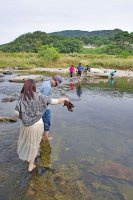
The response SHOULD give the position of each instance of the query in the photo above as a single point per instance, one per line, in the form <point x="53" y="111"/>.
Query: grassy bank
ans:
<point x="26" y="61"/>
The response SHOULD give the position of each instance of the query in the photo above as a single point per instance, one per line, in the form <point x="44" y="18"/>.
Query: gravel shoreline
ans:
<point x="97" y="71"/>
<point x="94" y="71"/>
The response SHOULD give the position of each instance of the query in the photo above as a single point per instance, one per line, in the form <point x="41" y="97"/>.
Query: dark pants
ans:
<point x="71" y="74"/>
<point x="79" y="73"/>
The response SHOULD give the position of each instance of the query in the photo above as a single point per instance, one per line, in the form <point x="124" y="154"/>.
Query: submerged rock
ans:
<point x="8" y="119"/>
<point x="7" y="72"/>
<point x="112" y="169"/>
<point x="21" y="79"/>
<point x="2" y="79"/>
<point x="1" y="75"/>
<point x="8" y="99"/>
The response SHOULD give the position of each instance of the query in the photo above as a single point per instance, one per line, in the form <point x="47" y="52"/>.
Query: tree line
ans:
<point x="120" y="43"/>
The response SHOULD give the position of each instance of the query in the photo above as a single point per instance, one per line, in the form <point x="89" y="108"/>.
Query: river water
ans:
<point x="91" y="154"/>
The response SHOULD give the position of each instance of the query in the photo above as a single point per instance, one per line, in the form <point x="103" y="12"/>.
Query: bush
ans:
<point x="48" y="53"/>
<point x="124" y="54"/>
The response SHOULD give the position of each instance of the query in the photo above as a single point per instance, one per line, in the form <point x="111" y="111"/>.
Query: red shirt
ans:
<point x="72" y="86"/>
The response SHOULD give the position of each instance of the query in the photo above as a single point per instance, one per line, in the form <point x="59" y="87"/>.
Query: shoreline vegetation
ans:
<point x="99" y="63"/>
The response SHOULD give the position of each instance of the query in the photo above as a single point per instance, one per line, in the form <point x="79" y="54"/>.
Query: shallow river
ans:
<point x="91" y="154"/>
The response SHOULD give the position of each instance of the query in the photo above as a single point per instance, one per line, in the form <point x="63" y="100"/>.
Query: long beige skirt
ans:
<point x="29" y="141"/>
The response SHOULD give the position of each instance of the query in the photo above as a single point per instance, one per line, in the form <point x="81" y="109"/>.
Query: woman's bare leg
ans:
<point x="31" y="162"/>
<point x="31" y="166"/>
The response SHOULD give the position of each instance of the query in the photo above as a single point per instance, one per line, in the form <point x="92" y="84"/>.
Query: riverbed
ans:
<point x="90" y="156"/>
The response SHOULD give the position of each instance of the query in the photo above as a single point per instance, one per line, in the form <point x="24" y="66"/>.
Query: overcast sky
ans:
<point x="21" y="16"/>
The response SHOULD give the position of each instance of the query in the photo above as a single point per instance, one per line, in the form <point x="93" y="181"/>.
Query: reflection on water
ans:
<point x="90" y="156"/>
<point x="45" y="151"/>
<point x="118" y="84"/>
<point x="79" y="89"/>
<point x="111" y="81"/>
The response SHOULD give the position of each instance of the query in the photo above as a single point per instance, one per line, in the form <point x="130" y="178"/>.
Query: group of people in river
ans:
<point x="79" y="70"/>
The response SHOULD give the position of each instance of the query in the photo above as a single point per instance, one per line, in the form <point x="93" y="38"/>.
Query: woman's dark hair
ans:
<point x="28" y="89"/>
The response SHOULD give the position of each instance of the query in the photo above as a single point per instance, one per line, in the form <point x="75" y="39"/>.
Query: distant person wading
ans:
<point x="79" y="70"/>
<point x="71" y="70"/>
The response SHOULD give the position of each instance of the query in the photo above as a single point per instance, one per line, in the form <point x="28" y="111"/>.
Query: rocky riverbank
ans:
<point x="94" y="71"/>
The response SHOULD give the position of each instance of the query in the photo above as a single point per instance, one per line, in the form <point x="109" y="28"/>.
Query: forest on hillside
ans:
<point x="115" y="42"/>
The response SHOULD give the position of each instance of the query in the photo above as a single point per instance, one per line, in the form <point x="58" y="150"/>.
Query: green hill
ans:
<point x="31" y="42"/>
<point x="79" y="33"/>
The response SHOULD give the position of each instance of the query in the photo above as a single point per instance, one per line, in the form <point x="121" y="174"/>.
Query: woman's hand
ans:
<point x="58" y="101"/>
<point x="66" y="99"/>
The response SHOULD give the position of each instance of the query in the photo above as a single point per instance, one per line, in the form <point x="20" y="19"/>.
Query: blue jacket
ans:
<point x="80" y="68"/>
<point x="46" y="89"/>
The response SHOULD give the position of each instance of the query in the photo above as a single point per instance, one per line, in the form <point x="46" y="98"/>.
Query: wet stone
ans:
<point x="21" y="79"/>
<point x="8" y="119"/>
<point x="1" y="75"/>
<point x="8" y="99"/>
<point x="7" y="72"/>
<point x="111" y="169"/>
<point x="2" y="79"/>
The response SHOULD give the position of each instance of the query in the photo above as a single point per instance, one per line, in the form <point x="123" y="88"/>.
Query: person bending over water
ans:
<point x="46" y="89"/>
<point x="112" y="74"/>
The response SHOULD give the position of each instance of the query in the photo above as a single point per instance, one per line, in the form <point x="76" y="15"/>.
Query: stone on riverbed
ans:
<point x="21" y="79"/>
<point x="8" y="99"/>
<point x="112" y="169"/>
<point x="8" y="119"/>
<point x="7" y="72"/>
<point x="1" y="75"/>
<point x="2" y="79"/>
